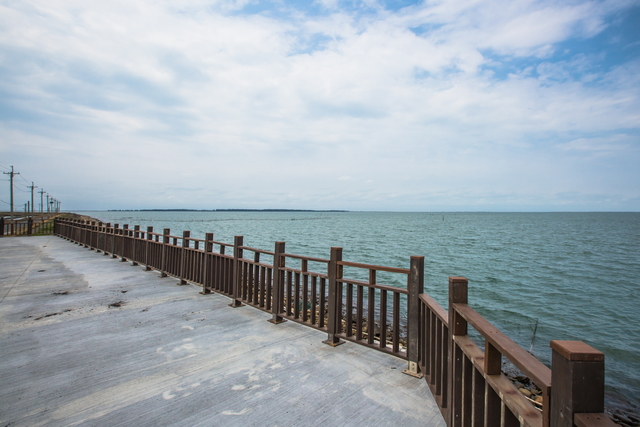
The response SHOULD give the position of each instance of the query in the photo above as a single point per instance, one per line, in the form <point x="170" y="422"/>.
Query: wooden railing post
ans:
<point x="165" y="242"/>
<point x="577" y="384"/>
<point x="136" y="237"/>
<point x="114" y="240"/>
<point x="92" y="235"/>
<point x="335" y="297"/>
<point x="208" y="248"/>
<point x="147" y="249"/>
<point x="278" y="284"/>
<point x="458" y="294"/>
<point x="237" y="271"/>
<point x="89" y="239"/>
<point x="87" y="234"/>
<point x="99" y="237"/>
<point x="415" y="287"/>
<point x="183" y="255"/>
<point x="106" y="233"/>
<point x="30" y="226"/>
<point x="75" y="231"/>
<point x="125" y="234"/>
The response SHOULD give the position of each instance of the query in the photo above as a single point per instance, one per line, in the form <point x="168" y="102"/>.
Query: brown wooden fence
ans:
<point x="465" y="377"/>
<point x="26" y="225"/>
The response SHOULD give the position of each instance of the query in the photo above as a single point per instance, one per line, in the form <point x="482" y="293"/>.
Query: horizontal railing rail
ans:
<point x="466" y="380"/>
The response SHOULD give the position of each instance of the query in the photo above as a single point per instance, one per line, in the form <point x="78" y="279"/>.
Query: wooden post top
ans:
<point x="577" y="351"/>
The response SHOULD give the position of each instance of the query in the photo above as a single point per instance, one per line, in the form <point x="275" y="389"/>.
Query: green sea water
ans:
<point x="575" y="275"/>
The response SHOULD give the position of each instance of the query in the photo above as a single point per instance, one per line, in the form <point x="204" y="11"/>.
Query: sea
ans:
<point x="535" y="276"/>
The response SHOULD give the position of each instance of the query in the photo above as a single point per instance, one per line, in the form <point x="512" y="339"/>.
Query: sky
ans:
<point x="389" y="105"/>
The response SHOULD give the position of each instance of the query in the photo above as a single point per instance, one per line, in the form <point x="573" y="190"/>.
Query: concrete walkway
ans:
<point x="88" y="340"/>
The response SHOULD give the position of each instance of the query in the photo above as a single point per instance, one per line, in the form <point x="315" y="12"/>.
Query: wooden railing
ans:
<point x="26" y="224"/>
<point x="465" y="377"/>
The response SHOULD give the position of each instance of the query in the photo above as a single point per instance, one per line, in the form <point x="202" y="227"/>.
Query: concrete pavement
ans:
<point x="88" y="340"/>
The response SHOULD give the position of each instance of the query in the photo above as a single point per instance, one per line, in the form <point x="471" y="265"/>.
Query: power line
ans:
<point x="52" y="204"/>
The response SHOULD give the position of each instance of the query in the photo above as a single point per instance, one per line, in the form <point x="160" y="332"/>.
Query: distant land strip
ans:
<point x="225" y="210"/>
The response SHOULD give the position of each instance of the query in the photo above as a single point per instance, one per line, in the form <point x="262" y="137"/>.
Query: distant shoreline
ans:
<point x="225" y="210"/>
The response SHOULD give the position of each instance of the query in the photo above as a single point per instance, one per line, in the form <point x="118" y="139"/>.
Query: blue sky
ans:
<point x="360" y="105"/>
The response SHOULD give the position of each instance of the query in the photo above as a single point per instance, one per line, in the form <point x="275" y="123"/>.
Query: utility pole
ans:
<point x="41" y="200"/>
<point x="32" y="187"/>
<point x="47" y="202"/>
<point x="11" y="174"/>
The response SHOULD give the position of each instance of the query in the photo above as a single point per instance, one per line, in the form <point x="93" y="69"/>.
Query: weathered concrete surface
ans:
<point x="170" y="356"/>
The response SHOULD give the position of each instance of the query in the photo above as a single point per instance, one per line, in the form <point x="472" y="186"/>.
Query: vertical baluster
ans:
<point x="359" y="311"/>
<point x="478" y="398"/>
<point x="247" y="287"/>
<point x="467" y="391"/>
<point x="322" y="312"/>
<point x="443" y="366"/>
<point x="493" y="403"/>
<point x="296" y="299"/>
<point x="383" y="318"/>
<point x="263" y="287"/>
<point x="289" y="286"/>
<point x="349" y="309"/>
<point x="508" y="418"/>
<point x="305" y="290"/>
<point x="396" y="322"/>
<point x="269" y="286"/>
<point x="314" y="300"/>
<point x="371" y="308"/>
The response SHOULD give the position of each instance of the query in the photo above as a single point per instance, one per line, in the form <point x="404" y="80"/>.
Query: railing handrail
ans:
<point x="258" y="251"/>
<point x="374" y="267"/>
<point x="374" y="285"/>
<point x="306" y="258"/>
<point x="522" y="359"/>
<point x="436" y="308"/>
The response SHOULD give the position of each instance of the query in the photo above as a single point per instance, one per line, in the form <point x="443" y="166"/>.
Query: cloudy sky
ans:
<point x="328" y="104"/>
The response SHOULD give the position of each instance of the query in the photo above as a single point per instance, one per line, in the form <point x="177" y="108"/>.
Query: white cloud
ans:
<point x="265" y="106"/>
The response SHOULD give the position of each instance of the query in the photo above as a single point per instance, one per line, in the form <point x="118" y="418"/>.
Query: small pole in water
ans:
<point x="443" y="217"/>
